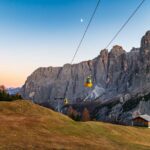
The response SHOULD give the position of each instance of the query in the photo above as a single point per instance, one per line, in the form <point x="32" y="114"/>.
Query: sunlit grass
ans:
<point x="25" y="125"/>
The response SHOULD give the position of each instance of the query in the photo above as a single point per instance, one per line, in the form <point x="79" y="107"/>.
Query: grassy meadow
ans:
<point x="24" y="125"/>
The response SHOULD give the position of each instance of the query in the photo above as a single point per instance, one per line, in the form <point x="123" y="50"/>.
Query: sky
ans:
<point x="42" y="33"/>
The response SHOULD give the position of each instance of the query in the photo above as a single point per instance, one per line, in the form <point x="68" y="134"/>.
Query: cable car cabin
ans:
<point x="141" y="120"/>
<point x="66" y="101"/>
<point x="88" y="82"/>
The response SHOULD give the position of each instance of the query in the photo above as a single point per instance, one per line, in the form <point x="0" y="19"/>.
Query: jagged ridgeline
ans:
<point x="113" y="72"/>
<point x="116" y="73"/>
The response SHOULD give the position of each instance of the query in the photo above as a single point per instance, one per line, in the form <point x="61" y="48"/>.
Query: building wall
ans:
<point x="141" y="122"/>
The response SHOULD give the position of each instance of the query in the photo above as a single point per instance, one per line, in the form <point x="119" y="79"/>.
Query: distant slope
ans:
<point x="25" y="125"/>
<point x="13" y="91"/>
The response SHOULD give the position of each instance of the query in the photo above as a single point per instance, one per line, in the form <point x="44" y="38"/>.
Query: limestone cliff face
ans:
<point x="114" y="73"/>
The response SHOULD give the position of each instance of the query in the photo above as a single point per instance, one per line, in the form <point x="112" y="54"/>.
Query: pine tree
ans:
<point x="4" y="96"/>
<point x="85" y="115"/>
<point x="72" y="113"/>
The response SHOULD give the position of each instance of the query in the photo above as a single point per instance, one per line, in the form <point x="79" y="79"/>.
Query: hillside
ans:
<point x="25" y="125"/>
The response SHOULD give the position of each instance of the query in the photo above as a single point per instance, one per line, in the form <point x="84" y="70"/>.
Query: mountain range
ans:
<point x="13" y="91"/>
<point x="121" y="84"/>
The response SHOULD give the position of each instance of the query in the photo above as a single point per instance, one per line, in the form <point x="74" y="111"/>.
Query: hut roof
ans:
<point x="145" y="117"/>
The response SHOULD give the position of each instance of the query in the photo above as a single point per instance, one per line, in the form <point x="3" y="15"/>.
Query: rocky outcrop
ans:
<point x="115" y="74"/>
<point x="122" y="109"/>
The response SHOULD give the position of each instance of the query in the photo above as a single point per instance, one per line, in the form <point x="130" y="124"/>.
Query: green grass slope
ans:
<point x="25" y="126"/>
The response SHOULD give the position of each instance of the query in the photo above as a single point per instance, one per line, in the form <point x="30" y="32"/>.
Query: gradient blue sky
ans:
<point x="41" y="33"/>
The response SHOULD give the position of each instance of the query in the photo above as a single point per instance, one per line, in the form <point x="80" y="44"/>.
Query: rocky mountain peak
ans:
<point x="117" y="50"/>
<point x="104" y="54"/>
<point x="114" y="72"/>
<point x="118" y="78"/>
<point x="145" y="42"/>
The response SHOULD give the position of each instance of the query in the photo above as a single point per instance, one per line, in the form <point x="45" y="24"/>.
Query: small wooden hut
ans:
<point x="141" y="120"/>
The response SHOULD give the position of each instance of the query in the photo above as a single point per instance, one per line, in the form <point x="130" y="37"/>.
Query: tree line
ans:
<point x="4" y="96"/>
<point x="78" y="116"/>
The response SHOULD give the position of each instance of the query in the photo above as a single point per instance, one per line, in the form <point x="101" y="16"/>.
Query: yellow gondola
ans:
<point x="88" y="82"/>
